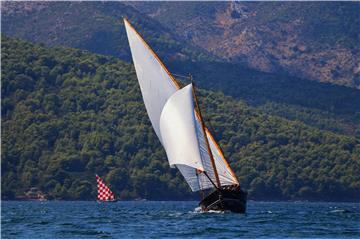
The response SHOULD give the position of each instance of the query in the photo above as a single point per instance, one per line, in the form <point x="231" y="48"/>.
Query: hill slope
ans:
<point x="68" y="114"/>
<point x="97" y="27"/>
<point x="314" y="40"/>
<point x="94" y="26"/>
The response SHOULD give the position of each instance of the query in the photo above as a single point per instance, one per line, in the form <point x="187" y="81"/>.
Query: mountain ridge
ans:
<point x="312" y="40"/>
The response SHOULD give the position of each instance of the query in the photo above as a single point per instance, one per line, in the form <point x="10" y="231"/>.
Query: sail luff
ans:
<point x="176" y="84"/>
<point x="155" y="82"/>
<point x="206" y="140"/>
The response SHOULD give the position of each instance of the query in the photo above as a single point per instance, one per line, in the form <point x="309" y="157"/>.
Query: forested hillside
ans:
<point x="98" y="27"/>
<point x="68" y="114"/>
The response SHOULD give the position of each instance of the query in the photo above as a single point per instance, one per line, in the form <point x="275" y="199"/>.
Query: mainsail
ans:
<point x="104" y="192"/>
<point x="172" y="114"/>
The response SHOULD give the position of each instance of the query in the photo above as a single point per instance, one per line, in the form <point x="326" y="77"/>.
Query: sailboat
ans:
<point x="176" y="118"/>
<point x="104" y="192"/>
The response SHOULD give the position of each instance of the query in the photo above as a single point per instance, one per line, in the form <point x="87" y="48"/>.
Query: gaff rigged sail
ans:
<point x="157" y="88"/>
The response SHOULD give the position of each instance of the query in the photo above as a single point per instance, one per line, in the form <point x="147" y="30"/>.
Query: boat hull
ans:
<point x="101" y="201"/>
<point x="225" y="200"/>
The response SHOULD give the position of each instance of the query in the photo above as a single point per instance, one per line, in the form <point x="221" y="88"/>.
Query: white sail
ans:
<point x="157" y="86"/>
<point x="226" y="176"/>
<point x="155" y="83"/>
<point x="178" y="132"/>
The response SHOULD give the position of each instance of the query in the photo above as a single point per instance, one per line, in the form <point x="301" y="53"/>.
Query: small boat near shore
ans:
<point x="176" y="118"/>
<point x="104" y="192"/>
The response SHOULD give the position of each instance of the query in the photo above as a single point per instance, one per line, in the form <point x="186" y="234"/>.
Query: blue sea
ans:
<point x="150" y="219"/>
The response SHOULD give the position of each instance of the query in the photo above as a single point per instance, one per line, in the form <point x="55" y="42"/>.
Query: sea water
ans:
<point x="153" y="219"/>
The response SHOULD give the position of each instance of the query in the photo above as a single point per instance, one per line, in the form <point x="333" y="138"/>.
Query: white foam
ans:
<point x="199" y="210"/>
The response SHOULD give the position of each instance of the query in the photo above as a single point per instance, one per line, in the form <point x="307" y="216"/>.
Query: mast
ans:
<point x="158" y="86"/>
<point x="206" y="139"/>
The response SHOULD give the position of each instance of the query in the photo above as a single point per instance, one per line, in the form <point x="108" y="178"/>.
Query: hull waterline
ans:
<point x="225" y="200"/>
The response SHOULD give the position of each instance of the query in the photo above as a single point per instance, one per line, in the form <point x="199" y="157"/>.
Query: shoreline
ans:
<point x="145" y="200"/>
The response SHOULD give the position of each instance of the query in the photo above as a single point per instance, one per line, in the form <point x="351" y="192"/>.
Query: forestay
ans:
<point x="157" y="86"/>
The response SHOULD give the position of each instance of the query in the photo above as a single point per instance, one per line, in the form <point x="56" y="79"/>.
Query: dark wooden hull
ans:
<point x="225" y="200"/>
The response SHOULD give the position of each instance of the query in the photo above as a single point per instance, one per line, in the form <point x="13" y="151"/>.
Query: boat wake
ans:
<point x="340" y="211"/>
<point x="199" y="210"/>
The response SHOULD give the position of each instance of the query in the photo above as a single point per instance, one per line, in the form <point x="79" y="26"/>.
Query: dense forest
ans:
<point x="98" y="27"/>
<point x="68" y="114"/>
